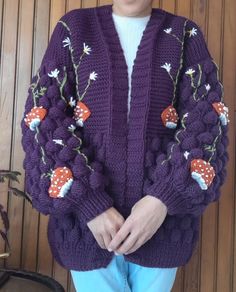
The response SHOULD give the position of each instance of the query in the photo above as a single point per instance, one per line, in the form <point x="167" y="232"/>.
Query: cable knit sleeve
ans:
<point x="59" y="176"/>
<point x="189" y="173"/>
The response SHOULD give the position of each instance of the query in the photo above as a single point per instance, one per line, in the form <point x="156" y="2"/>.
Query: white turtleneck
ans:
<point x="130" y="30"/>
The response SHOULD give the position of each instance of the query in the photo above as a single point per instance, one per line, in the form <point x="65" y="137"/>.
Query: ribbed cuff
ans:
<point x="166" y="192"/>
<point x="95" y="203"/>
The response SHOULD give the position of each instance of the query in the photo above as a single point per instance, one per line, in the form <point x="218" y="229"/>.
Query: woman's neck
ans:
<point x="123" y="12"/>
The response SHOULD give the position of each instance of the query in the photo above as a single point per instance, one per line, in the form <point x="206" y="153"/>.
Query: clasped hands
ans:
<point x="114" y="233"/>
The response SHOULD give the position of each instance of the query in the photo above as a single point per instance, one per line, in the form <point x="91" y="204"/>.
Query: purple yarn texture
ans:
<point x="115" y="163"/>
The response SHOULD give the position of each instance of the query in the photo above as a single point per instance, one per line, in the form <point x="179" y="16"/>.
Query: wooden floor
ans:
<point x="25" y="27"/>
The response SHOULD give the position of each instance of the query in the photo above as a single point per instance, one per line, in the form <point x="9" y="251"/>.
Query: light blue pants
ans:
<point x="124" y="276"/>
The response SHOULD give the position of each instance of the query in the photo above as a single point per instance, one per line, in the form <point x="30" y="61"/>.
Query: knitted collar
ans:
<point x="129" y="135"/>
<point x="118" y="82"/>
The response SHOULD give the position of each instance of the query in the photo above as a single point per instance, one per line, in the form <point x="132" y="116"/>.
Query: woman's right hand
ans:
<point x="105" y="226"/>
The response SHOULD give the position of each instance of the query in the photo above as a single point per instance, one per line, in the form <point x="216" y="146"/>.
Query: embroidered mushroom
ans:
<point x="81" y="113"/>
<point x="222" y="111"/>
<point x="202" y="172"/>
<point x="35" y="116"/>
<point x="61" y="181"/>
<point x="170" y="117"/>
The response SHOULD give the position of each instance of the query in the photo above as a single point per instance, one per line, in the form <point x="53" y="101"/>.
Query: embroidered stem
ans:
<point x="176" y="136"/>
<point x="181" y="62"/>
<point x="72" y="130"/>
<point x="86" y="88"/>
<point x="41" y="148"/>
<point x="62" y="84"/>
<point x="76" y="67"/>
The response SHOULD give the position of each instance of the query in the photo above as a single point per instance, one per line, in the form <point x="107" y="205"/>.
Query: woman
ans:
<point x="125" y="134"/>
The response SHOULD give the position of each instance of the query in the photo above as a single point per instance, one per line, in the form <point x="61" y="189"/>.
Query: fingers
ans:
<point x="128" y="243"/>
<point x="120" y="236"/>
<point x="100" y="240"/>
<point x="106" y="239"/>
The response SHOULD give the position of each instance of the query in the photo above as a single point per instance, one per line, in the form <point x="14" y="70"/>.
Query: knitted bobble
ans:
<point x="151" y="173"/>
<point x="97" y="166"/>
<point x="155" y="144"/>
<point x="52" y="147"/>
<point x="34" y="117"/>
<point x="220" y="149"/>
<point x="44" y="102"/>
<point x="46" y="168"/>
<point x="96" y="180"/>
<point x="189" y="143"/>
<point x="196" y="127"/>
<point x="53" y="91"/>
<point x="61" y="181"/>
<point x="196" y="152"/>
<point x="55" y="113"/>
<point x="210" y="118"/>
<point x="66" y="154"/>
<point x="185" y="93"/>
<point x="149" y="158"/>
<point x="170" y="117"/>
<point x="162" y="169"/>
<point x="213" y="96"/>
<point x="80" y="169"/>
<point x="73" y="142"/>
<point x="35" y="156"/>
<point x="177" y="159"/>
<point x="42" y="138"/>
<point x="44" y="80"/>
<point x="61" y="133"/>
<point x="47" y="125"/>
<point x="206" y="138"/>
<point x="61" y="105"/>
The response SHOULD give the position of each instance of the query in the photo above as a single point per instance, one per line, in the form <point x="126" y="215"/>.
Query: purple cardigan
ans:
<point x="81" y="155"/>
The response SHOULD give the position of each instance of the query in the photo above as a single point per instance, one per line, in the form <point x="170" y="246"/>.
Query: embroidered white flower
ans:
<point x="190" y="71"/>
<point x="185" y="115"/>
<point x="87" y="49"/>
<point x="72" y="101"/>
<point x="58" y="141"/>
<point x="66" y="42"/>
<point x="167" y="66"/>
<point x="93" y="75"/>
<point x="168" y="30"/>
<point x="208" y="86"/>
<point x="186" y="154"/>
<point x="71" y="128"/>
<point x="193" y="32"/>
<point x="54" y="73"/>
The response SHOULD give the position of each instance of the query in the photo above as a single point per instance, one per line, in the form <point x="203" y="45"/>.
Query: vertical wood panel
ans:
<point x="25" y="28"/>
<point x="226" y="203"/>
<point x="24" y="61"/>
<point x="209" y="220"/>
<point x="7" y="91"/>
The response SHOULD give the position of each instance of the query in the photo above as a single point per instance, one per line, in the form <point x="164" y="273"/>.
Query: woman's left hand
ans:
<point x="146" y="217"/>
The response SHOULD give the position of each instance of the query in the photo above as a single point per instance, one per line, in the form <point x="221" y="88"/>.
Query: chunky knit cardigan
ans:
<point x="81" y="155"/>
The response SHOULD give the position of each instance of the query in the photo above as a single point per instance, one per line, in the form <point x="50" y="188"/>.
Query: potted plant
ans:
<point x="13" y="279"/>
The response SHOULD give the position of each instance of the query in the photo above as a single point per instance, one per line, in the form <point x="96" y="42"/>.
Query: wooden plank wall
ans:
<point x="25" y="28"/>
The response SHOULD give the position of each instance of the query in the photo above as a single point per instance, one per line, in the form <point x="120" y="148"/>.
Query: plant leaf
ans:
<point x="19" y="193"/>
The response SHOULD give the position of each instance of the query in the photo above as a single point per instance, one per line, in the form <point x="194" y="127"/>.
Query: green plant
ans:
<point x="11" y="175"/>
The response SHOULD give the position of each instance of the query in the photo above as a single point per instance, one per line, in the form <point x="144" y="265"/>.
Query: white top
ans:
<point x="130" y="30"/>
